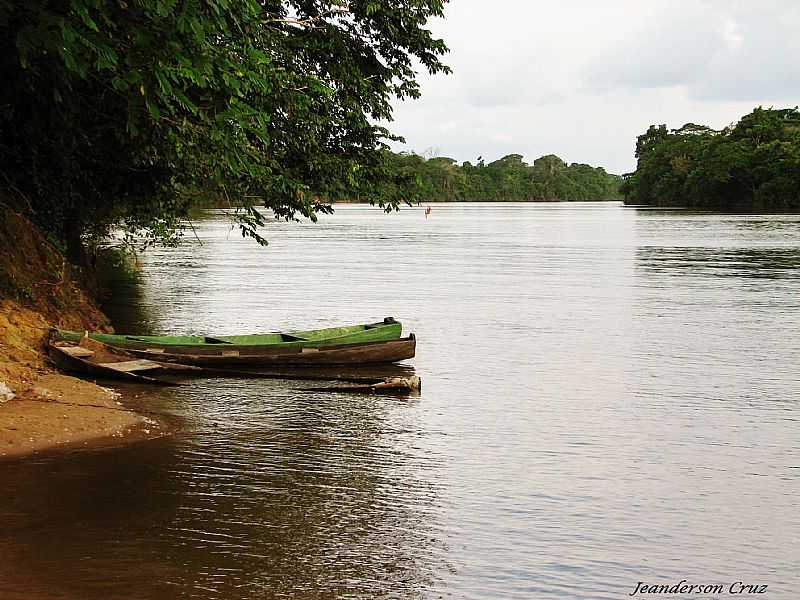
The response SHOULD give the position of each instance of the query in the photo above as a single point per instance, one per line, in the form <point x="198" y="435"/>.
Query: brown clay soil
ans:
<point x="39" y="289"/>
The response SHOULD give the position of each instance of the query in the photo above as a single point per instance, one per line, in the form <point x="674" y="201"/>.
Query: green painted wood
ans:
<point x="386" y="330"/>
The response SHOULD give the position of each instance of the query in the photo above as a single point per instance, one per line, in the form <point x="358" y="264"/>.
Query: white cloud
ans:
<point x="717" y="51"/>
<point x="582" y="79"/>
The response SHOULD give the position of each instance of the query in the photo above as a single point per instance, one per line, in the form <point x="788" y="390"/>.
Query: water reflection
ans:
<point x="767" y="263"/>
<point x="253" y="499"/>
<point x="688" y="244"/>
<point x="124" y="303"/>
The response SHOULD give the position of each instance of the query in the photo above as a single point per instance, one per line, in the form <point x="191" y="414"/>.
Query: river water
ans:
<point x="610" y="395"/>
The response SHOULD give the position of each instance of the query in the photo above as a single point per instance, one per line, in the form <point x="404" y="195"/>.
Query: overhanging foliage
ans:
<point x="120" y="112"/>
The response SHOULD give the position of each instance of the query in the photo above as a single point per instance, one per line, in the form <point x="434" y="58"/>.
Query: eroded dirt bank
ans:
<point x="41" y="410"/>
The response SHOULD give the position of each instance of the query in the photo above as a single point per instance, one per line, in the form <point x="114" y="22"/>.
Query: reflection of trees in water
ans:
<point x="78" y="526"/>
<point x="768" y="223"/>
<point x="125" y="302"/>
<point x="275" y="495"/>
<point x="720" y="262"/>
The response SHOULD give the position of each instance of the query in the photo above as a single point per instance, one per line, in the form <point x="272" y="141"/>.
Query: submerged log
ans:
<point x="390" y="385"/>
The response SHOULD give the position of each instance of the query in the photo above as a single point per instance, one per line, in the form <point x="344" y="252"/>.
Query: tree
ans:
<point x="752" y="165"/>
<point x="441" y="179"/>
<point x="547" y="171"/>
<point x="118" y="113"/>
<point x="649" y="140"/>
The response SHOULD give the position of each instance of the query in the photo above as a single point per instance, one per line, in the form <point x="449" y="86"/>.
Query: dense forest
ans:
<point x="118" y="114"/>
<point x="753" y="165"/>
<point x="509" y="179"/>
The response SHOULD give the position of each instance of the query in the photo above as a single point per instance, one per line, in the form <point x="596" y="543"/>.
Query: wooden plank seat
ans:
<point x="77" y="351"/>
<point x="131" y="366"/>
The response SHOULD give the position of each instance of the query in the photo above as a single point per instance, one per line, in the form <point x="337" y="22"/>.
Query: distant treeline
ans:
<point x="439" y="179"/>
<point x="753" y="165"/>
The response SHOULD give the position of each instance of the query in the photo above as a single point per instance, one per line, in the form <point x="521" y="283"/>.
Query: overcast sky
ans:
<point x="581" y="79"/>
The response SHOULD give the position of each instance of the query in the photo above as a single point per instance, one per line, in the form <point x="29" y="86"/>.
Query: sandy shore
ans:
<point x="38" y="289"/>
<point x="58" y="412"/>
<point x="49" y="411"/>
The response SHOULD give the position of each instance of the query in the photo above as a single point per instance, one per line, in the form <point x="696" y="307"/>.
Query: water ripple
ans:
<point x="610" y="396"/>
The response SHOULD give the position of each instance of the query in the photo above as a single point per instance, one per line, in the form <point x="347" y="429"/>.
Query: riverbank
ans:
<point x="58" y="412"/>
<point x="41" y="410"/>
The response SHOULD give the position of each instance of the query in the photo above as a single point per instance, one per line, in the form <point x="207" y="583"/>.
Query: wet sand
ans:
<point x="58" y="412"/>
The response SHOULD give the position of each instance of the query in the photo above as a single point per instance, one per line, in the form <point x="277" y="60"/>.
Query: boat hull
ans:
<point x="66" y="362"/>
<point x="367" y="353"/>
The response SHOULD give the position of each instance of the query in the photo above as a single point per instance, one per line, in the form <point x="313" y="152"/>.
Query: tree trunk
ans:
<point x="76" y="253"/>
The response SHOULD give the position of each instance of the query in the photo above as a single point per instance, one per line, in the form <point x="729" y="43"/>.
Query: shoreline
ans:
<point x="42" y="411"/>
<point x="58" y="413"/>
<point x="473" y="201"/>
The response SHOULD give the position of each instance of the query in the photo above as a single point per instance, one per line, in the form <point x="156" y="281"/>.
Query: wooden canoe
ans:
<point x="388" y="329"/>
<point x="106" y="364"/>
<point x="96" y="359"/>
<point x="366" y="353"/>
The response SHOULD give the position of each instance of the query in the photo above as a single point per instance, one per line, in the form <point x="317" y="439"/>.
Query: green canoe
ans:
<point x="386" y="330"/>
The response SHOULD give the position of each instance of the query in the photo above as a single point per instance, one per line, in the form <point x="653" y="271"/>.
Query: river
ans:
<point x="610" y="395"/>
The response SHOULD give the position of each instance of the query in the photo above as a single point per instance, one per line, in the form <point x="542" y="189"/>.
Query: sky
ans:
<point x="582" y="79"/>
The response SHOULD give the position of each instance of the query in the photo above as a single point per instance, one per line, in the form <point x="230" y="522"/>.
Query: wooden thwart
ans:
<point x="131" y="366"/>
<point x="78" y="351"/>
